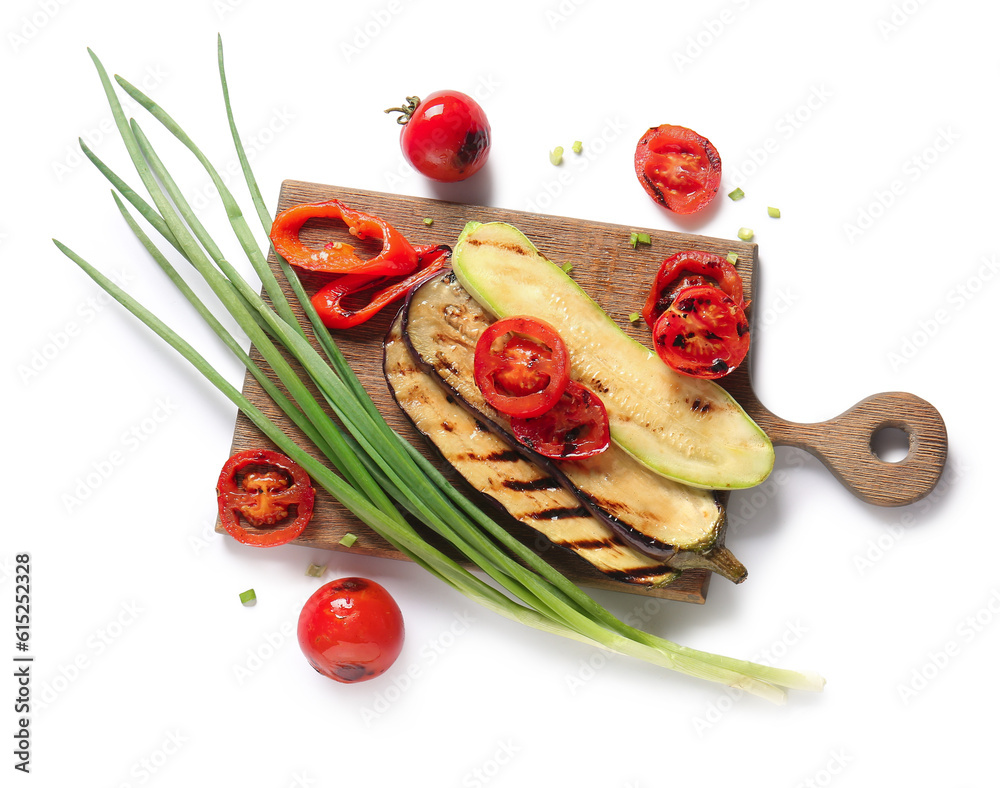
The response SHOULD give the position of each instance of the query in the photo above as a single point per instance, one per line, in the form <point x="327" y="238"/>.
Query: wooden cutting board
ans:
<point x="617" y="276"/>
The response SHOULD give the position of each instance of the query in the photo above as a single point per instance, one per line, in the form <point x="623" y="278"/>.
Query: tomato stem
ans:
<point x="412" y="102"/>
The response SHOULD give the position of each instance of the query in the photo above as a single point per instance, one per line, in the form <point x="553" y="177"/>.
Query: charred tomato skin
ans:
<point x="447" y="137"/>
<point x="691" y="267"/>
<point x="259" y="489"/>
<point x="679" y="168"/>
<point x="703" y="333"/>
<point x="575" y="428"/>
<point x="351" y="630"/>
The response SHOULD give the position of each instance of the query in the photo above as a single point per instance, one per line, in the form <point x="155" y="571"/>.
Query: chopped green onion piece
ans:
<point x="566" y="267"/>
<point x="577" y="147"/>
<point x="555" y="156"/>
<point x="732" y="257"/>
<point x="316" y="570"/>
<point x="634" y="317"/>
<point x="248" y="598"/>
<point x="428" y="221"/>
<point x="348" y="540"/>
<point x="745" y="234"/>
<point x="736" y="194"/>
<point x="774" y="213"/>
<point x="639" y="238"/>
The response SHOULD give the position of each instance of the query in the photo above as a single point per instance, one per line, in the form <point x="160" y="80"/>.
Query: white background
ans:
<point x="872" y="126"/>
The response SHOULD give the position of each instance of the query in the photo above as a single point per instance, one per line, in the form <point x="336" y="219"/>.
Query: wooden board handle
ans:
<point x="844" y="445"/>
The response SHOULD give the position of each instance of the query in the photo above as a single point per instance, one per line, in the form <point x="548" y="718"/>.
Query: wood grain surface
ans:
<point x="616" y="275"/>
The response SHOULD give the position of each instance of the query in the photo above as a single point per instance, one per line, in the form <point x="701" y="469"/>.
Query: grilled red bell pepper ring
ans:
<point x="330" y="301"/>
<point x="259" y="487"/>
<point x="397" y="256"/>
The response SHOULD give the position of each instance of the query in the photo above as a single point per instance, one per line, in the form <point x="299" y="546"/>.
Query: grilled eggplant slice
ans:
<point x="684" y="428"/>
<point x="518" y="486"/>
<point x="680" y="525"/>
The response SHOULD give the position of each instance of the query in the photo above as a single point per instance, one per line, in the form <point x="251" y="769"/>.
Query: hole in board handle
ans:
<point x="890" y="444"/>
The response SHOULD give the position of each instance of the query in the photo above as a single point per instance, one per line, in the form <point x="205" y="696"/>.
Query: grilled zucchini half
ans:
<point x="687" y="429"/>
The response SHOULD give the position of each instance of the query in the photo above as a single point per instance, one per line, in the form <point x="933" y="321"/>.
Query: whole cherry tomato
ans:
<point x="351" y="630"/>
<point x="445" y="136"/>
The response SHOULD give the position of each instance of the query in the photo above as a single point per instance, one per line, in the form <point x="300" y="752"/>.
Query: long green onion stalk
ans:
<point x="368" y="467"/>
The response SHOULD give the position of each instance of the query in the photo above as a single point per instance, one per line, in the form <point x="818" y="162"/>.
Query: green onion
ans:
<point x="566" y="267"/>
<point x="774" y="213"/>
<point x="736" y="194"/>
<point x="428" y="221"/>
<point x="349" y="539"/>
<point x="732" y="257"/>
<point x="745" y="234"/>
<point x="555" y="155"/>
<point x="248" y="598"/>
<point x="373" y="472"/>
<point x="316" y="570"/>
<point x="639" y="238"/>
<point x="578" y="147"/>
<point x="634" y="317"/>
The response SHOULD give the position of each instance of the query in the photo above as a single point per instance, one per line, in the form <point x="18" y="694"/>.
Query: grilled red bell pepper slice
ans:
<point x="257" y="490"/>
<point x="330" y="300"/>
<point x="397" y="256"/>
